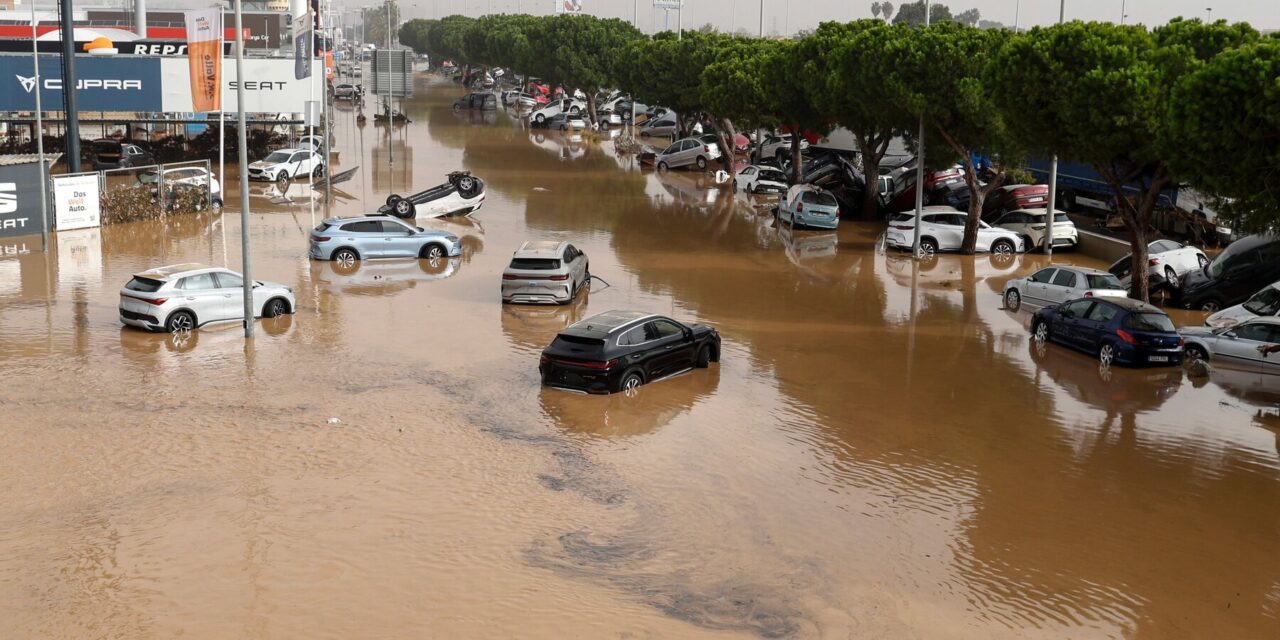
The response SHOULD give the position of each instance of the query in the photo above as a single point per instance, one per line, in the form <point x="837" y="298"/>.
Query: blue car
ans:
<point x="1117" y="330"/>
<point x="346" y="240"/>
<point x="808" y="206"/>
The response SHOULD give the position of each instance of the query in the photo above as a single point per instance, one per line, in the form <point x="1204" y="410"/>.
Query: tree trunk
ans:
<point x="726" y="132"/>
<point x="977" y="198"/>
<point x="872" y="154"/>
<point x="1137" y="219"/>
<point x="591" y="111"/>
<point x="797" y="162"/>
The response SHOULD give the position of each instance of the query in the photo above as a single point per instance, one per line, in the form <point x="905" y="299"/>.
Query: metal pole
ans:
<point x="391" y="116"/>
<point x="1122" y="11"/>
<point x="39" y="136"/>
<point x="1017" y="14"/>
<point x="915" y="239"/>
<point x="311" y="88"/>
<point x="680" y="21"/>
<point x="324" y="71"/>
<point x="1050" y="209"/>
<point x="72" y="131"/>
<point x="243" y="154"/>
<point x="761" y="18"/>
<point x="222" y="119"/>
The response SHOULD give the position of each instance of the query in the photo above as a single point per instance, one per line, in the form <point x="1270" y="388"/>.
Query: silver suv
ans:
<point x="182" y="297"/>
<point x="545" y="272"/>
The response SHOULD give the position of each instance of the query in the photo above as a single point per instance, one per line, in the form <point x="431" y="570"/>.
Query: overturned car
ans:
<point x="461" y="194"/>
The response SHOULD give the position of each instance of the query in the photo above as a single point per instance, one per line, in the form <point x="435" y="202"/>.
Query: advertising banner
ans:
<point x="301" y="54"/>
<point x="204" y="55"/>
<point x="76" y="201"/>
<point x="102" y="84"/>
<point x="270" y="87"/>
<point x="20" y="199"/>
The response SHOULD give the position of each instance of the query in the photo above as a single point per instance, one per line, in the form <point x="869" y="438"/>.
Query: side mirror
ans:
<point x="1229" y="334"/>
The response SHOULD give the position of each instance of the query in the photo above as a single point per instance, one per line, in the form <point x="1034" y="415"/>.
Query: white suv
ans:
<point x="545" y="272"/>
<point x="557" y="107"/>
<point x="1030" y="224"/>
<point x="182" y="297"/>
<point x="943" y="230"/>
<point x="287" y="163"/>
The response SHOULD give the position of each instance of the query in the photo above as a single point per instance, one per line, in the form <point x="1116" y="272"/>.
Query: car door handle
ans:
<point x="191" y="297"/>
<point x="670" y="346"/>
<point x="228" y="295"/>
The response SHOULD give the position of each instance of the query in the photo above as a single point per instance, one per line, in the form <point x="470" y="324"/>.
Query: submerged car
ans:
<point x="567" y="122"/>
<point x="1055" y="285"/>
<point x="806" y="205"/>
<point x="1240" y="345"/>
<point x="1116" y="330"/>
<point x="182" y="297"/>
<point x="112" y="154"/>
<point x="461" y="194"/>
<point x="287" y="164"/>
<point x="1244" y="267"/>
<point x="943" y="230"/>
<point x="545" y="272"/>
<point x="686" y="152"/>
<point x="1030" y="224"/>
<point x="1167" y="261"/>
<point x="1263" y="303"/>
<point x="621" y="350"/>
<point x="762" y="179"/>
<point x="479" y="100"/>
<point x="556" y="107"/>
<point x="178" y="180"/>
<point x="346" y="240"/>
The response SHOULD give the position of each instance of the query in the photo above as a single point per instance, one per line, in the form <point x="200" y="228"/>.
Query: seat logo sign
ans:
<point x="28" y="84"/>
<point x="8" y="197"/>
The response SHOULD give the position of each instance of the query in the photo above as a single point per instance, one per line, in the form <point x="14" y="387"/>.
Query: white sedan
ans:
<point x="1238" y="345"/>
<point x="1165" y="259"/>
<point x="943" y="230"/>
<point x="1055" y="285"/>
<point x="1263" y="303"/>
<point x="1030" y="224"/>
<point x="759" y="179"/>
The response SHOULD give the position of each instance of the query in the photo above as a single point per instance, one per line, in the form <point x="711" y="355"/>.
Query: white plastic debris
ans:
<point x="334" y="421"/>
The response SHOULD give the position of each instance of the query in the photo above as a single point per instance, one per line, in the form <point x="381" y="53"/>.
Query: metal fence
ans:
<point x="154" y="191"/>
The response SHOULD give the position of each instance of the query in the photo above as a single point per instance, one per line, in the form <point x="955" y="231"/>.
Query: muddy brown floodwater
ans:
<point x="881" y="454"/>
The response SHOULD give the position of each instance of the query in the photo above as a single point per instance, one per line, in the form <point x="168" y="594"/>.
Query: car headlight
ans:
<point x="452" y="238"/>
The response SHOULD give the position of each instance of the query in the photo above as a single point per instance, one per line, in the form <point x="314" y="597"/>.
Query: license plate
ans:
<point x="1035" y="199"/>
<point x="1157" y="358"/>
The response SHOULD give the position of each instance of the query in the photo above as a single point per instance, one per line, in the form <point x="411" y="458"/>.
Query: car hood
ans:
<point x="261" y="164"/>
<point x="1198" y="332"/>
<point x="1229" y="317"/>
<point x="267" y="284"/>
<point x="1195" y="280"/>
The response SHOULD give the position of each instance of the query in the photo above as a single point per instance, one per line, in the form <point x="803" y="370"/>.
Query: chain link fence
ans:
<point x="154" y="191"/>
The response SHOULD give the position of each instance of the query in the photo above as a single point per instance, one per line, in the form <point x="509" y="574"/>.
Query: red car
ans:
<point x="940" y="179"/>
<point x="1012" y="197"/>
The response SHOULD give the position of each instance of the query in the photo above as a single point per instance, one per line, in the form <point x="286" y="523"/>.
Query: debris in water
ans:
<point x="334" y="420"/>
<point x="541" y="189"/>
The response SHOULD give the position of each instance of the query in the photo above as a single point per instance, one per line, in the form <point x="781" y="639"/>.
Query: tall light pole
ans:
<point x="1050" y="209"/>
<point x="1209" y="14"/>
<point x="39" y="136"/>
<point x="72" y="129"/>
<point x="242" y="152"/>
<point x="761" y="18"/>
<point x="1017" y="15"/>
<point x="915" y="239"/>
<point x="1123" y="15"/>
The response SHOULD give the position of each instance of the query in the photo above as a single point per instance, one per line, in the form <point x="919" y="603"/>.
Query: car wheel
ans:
<point x="1196" y="352"/>
<point x="631" y="382"/>
<point x="391" y="200"/>
<point x="662" y="166"/>
<point x="704" y="357"/>
<point x="1003" y="247"/>
<point x="1171" y="276"/>
<point x="928" y="246"/>
<point x="1012" y="300"/>
<point x="539" y="118"/>
<point x="275" y="307"/>
<point x="318" y="172"/>
<point x="1212" y="306"/>
<point x="345" y="257"/>
<point x="180" y="321"/>
<point x="1026" y="242"/>
<point x="702" y="163"/>
<point x="1040" y="332"/>
<point x="217" y="205"/>
<point x="574" y="110"/>
<point x="1106" y="354"/>
<point x="466" y="185"/>
<point x="432" y="252"/>
<point x="404" y="209"/>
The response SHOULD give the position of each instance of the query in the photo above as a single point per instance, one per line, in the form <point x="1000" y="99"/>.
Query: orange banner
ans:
<point x="204" y="53"/>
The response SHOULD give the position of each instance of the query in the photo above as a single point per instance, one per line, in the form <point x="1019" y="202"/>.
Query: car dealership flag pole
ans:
<point x="243" y="153"/>
<point x="38" y="134"/>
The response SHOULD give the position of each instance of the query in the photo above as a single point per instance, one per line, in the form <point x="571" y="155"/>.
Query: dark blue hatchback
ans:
<point x="1117" y="330"/>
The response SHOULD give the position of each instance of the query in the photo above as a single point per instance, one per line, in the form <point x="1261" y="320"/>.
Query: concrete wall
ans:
<point x="1104" y="248"/>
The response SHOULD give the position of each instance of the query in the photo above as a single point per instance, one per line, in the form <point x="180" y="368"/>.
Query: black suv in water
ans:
<point x="1241" y="270"/>
<point x="621" y="350"/>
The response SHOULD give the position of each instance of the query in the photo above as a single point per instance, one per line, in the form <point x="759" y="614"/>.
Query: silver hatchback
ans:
<point x="685" y="152"/>
<point x="346" y="240"/>
<point x="182" y="297"/>
<point x="545" y="272"/>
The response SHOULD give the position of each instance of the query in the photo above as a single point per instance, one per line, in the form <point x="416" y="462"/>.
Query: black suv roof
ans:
<point x="601" y="325"/>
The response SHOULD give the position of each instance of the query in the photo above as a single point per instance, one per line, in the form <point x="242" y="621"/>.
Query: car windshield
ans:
<point x="902" y="217"/>
<point x="819" y="198"/>
<point x="145" y="285"/>
<point x="1149" y="322"/>
<point x="535" y="264"/>
<point x="772" y="174"/>
<point x="580" y="347"/>
<point x="1265" y="302"/>
<point x="1107" y="281"/>
<point x="1232" y="251"/>
<point x="277" y="156"/>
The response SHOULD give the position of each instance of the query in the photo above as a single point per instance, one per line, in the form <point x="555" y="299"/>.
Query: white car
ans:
<point x="1165" y="259"/>
<point x="1263" y="303"/>
<point x="1236" y="345"/>
<point x="779" y="146"/>
<point x="1030" y="224"/>
<point x="943" y="230"/>
<point x="759" y="179"/>
<point x="1055" y="285"/>
<point x="557" y="107"/>
<point x="182" y="297"/>
<point x="287" y="163"/>
<point x="519" y="99"/>
<point x="188" y="177"/>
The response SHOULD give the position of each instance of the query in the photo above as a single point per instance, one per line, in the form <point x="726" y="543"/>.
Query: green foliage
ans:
<point x="912" y="14"/>
<point x="375" y="22"/>
<point x="1223" y="130"/>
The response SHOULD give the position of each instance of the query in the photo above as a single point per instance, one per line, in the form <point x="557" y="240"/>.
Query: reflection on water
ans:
<point x="881" y="453"/>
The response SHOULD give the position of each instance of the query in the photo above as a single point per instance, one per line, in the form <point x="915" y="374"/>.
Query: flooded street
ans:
<point x="882" y="452"/>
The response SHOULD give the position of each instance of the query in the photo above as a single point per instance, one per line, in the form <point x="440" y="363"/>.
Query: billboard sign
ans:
<point x="77" y="202"/>
<point x="204" y="43"/>
<point x="102" y="84"/>
<point x="270" y="88"/>
<point x="19" y="199"/>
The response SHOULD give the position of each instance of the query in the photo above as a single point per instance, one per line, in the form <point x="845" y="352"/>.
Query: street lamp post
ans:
<point x="72" y="130"/>
<point x="1049" y="209"/>
<point x="915" y="238"/>
<point x="243" y="156"/>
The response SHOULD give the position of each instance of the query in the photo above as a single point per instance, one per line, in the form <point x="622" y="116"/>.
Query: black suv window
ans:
<point x="667" y="328"/>
<point x="633" y="337"/>
<point x="535" y="264"/>
<point x="145" y="285"/>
